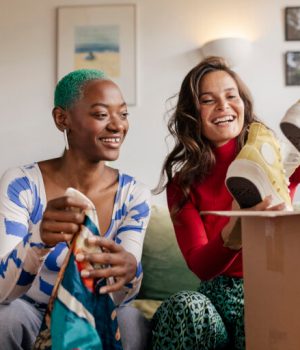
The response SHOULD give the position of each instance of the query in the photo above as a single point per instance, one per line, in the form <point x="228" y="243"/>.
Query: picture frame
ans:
<point x="99" y="37"/>
<point x="292" y="23"/>
<point x="292" y="68"/>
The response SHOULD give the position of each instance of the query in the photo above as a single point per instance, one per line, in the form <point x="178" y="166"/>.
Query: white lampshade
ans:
<point x="233" y="50"/>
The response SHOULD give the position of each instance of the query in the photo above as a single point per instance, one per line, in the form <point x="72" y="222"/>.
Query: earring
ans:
<point x="66" y="140"/>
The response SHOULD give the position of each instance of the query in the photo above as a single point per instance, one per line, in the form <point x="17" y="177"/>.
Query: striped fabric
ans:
<point x="78" y="317"/>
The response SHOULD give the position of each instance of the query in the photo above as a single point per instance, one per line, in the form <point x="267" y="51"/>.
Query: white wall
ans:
<point x="169" y="34"/>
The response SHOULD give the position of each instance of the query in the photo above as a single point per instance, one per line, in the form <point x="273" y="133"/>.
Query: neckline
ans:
<point x="117" y="194"/>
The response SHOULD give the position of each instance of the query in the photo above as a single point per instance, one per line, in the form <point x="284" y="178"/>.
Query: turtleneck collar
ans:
<point x="227" y="151"/>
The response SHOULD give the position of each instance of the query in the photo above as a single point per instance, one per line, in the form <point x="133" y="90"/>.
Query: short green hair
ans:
<point x="68" y="90"/>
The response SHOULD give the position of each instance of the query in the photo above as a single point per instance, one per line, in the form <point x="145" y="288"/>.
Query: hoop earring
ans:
<point x="66" y="140"/>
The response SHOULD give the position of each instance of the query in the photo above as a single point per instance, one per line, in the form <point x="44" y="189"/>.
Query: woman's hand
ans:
<point x="265" y="205"/>
<point x="232" y="233"/>
<point x="118" y="263"/>
<point x="62" y="218"/>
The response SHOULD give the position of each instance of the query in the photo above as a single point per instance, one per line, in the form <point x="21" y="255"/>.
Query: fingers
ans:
<point x="266" y="205"/>
<point x="62" y="219"/>
<point x="67" y="202"/>
<point x="235" y="205"/>
<point x="52" y="232"/>
<point x="117" y="274"/>
<point x="117" y="285"/>
<point x="104" y="243"/>
<point x="106" y="272"/>
<point x="52" y="239"/>
<point x="63" y="215"/>
<point x="116" y="263"/>
<point x="281" y="206"/>
<point x="62" y="222"/>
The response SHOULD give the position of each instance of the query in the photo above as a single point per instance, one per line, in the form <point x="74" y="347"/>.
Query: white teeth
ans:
<point x="227" y="118"/>
<point x="111" y="139"/>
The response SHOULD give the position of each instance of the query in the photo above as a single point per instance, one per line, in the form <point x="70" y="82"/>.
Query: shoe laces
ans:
<point x="282" y="171"/>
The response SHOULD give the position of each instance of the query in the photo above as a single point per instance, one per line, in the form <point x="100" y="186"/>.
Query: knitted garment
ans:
<point x="78" y="316"/>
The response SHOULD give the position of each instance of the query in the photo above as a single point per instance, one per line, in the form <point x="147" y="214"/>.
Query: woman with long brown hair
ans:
<point x="209" y="124"/>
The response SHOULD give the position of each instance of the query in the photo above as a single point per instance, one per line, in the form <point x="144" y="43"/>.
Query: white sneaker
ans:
<point x="290" y="124"/>
<point x="290" y="157"/>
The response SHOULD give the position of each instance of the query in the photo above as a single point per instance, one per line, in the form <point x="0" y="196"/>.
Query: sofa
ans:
<point x="165" y="271"/>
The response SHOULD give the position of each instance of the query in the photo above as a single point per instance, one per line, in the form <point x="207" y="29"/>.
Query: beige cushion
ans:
<point x="147" y="306"/>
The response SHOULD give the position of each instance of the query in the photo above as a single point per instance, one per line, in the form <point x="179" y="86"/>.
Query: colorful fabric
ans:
<point x="26" y="267"/>
<point x="212" y="318"/>
<point x="78" y="317"/>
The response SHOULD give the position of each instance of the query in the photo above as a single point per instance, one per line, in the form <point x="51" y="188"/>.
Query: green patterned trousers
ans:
<point x="212" y="318"/>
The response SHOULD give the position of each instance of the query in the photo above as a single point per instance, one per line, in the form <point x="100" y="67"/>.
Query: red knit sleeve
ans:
<point x="294" y="181"/>
<point x="206" y="258"/>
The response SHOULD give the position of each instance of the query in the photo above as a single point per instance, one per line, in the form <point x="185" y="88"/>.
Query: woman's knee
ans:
<point x="186" y="303"/>
<point x="9" y="317"/>
<point x="135" y="329"/>
<point x="19" y="324"/>
<point x="185" y="320"/>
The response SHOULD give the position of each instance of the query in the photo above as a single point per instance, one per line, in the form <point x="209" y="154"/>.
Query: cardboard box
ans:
<point x="271" y="263"/>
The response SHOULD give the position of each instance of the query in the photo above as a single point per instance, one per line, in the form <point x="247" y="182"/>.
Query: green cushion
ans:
<point x="165" y="271"/>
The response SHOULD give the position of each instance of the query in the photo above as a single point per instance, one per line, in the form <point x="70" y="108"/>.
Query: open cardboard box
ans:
<point x="271" y="263"/>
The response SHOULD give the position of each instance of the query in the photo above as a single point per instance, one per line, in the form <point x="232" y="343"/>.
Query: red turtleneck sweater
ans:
<point x="199" y="237"/>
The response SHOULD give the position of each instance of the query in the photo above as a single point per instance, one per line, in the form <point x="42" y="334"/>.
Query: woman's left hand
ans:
<point x="232" y="232"/>
<point x="117" y="262"/>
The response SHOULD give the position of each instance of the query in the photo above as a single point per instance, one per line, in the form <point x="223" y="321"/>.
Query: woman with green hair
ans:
<point x="38" y="221"/>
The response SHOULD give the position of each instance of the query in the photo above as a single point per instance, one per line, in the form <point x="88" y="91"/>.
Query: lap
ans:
<point x="19" y="324"/>
<point x="19" y="312"/>
<point x="135" y="329"/>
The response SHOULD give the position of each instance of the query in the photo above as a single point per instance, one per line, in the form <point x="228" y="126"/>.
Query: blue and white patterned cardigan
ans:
<point x="26" y="267"/>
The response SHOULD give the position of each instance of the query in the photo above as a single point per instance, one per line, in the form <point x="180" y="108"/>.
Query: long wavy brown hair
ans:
<point x="192" y="157"/>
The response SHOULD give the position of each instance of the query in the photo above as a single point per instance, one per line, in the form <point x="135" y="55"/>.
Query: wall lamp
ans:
<point x="233" y="50"/>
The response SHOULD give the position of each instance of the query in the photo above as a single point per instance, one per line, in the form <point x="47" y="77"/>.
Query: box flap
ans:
<point x="243" y="213"/>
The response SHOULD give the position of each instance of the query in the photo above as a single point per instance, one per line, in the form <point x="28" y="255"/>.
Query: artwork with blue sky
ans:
<point x="98" y="47"/>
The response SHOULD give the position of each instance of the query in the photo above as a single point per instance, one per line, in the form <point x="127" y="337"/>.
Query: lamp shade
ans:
<point x="233" y="50"/>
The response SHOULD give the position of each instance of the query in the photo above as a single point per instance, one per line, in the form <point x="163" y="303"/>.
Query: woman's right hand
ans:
<point x="62" y="219"/>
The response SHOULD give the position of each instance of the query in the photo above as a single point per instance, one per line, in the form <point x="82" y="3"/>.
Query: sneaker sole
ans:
<point x="292" y="132"/>
<point x="244" y="192"/>
<point x="251" y="188"/>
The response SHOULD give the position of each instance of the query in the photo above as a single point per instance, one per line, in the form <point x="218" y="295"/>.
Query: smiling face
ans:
<point x="221" y="107"/>
<point x="98" y="121"/>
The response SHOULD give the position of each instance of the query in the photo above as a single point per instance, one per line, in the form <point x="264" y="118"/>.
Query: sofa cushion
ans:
<point x="147" y="307"/>
<point x="165" y="271"/>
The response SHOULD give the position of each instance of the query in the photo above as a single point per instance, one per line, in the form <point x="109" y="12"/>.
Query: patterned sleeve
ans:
<point x="131" y="234"/>
<point x="21" y="252"/>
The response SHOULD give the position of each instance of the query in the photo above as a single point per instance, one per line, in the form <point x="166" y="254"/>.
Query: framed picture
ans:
<point x="292" y="23"/>
<point x="292" y="68"/>
<point x="99" y="37"/>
